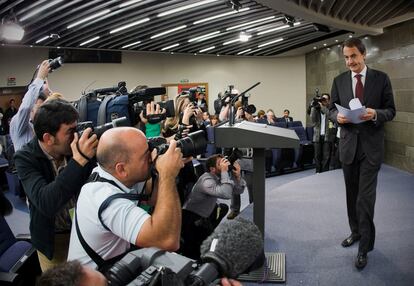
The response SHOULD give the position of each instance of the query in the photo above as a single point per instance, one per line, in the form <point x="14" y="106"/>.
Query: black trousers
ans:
<point x="361" y="185"/>
<point x="195" y="229"/>
<point x="322" y="154"/>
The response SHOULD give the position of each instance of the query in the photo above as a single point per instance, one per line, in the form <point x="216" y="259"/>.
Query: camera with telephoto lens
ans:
<point x="192" y="145"/>
<point x="55" y="63"/>
<point x="99" y="130"/>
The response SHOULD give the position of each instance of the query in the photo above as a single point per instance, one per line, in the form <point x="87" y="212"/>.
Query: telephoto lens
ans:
<point x="192" y="145"/>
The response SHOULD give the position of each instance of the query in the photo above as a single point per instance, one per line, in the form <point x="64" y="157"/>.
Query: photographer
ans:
<point x="324" y="131"/>
<point x="108" y="225"/>
<point x="201" y="213"/>
<point x="187" y="119"/>
<point x="21" y="130"/>
<point x="52" y="167"/>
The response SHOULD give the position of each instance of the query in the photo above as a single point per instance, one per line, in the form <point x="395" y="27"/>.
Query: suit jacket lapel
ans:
<point x="369" y="82"/>
<point x="349" y="93"/>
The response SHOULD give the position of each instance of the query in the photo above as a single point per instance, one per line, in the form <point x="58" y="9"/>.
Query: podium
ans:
<point x="258" y="136"/>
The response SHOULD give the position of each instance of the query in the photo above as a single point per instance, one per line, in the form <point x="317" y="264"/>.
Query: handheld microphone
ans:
<point x="235" y="246"/>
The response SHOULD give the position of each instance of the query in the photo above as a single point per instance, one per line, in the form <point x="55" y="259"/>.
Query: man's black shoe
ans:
<point x="350" y="240"/>
<point x="361" y="261"/>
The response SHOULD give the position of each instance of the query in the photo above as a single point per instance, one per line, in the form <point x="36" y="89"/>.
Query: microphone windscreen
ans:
<point x="233" y="246"/>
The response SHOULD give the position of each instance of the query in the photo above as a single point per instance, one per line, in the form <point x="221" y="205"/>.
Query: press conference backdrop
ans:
<point x="282" y="79"/>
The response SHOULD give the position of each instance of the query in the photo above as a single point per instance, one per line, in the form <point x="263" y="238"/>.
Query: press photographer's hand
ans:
<point x="169" y="164"/>
<point x="236" y="170"/>
<point x="187" y="113"/>
<point x="224" y="165"/>
<point x="154" y="108"/>
<point x="44" y="70"/>
<point x="84" y="148"/>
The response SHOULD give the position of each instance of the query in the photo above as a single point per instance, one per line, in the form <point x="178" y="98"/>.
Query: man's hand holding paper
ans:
<point x="356" y="114"/>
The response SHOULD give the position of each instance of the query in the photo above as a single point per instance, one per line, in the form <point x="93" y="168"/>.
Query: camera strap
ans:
<point x="102" y="109"/>
<point x="94" y="177"/>
<point x="103" y="265"/>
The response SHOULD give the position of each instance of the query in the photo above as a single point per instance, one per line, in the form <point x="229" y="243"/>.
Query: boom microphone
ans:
<point x="235" y="246"/>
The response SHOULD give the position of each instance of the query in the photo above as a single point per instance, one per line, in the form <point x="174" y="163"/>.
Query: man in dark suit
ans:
<point x="361" y="146"/>
<point x="286" y="116"/>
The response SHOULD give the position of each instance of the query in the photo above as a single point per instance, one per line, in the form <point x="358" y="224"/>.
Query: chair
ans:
<point x="305" y="154"/>
<point x="19" y="264"/>
<point x="309" y="133"/>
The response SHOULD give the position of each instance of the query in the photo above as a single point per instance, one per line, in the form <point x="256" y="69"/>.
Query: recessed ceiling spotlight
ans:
<point x="336" y="41"/>
<point x="314" y="48"/>
<point x="350" y="36"/>
<point x="324" y="44"/>
<point x="366" y="38"/>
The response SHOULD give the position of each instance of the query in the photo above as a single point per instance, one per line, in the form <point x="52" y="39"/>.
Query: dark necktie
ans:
<point x="359" y="88"/>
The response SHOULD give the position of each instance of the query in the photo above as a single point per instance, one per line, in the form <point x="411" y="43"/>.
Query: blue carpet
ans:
<point x="307" y="220"/>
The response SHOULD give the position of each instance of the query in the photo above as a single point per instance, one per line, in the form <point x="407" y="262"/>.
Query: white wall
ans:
<point x="282" y="79"/>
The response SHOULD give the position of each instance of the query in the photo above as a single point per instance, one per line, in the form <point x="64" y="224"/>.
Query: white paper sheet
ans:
<point x="353" y="114"/>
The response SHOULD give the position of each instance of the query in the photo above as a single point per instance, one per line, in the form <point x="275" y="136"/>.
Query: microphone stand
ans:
<point x="234" y="99"/>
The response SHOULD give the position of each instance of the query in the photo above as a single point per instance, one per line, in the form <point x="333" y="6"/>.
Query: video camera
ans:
<point x="130" y="104"/>
<point x="192" y="145"/>
<point x="99" y="130"/>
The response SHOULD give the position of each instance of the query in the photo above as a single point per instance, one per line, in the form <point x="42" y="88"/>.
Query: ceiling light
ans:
<point x="130" y="45"/>
<point x="89" y="18"/>
<point x="277" y="29"/>
<point x="170" y="47"/>
<point x="251" y="22"/>
<point x="207" y="49"/>
<point x="314" y="48"/>
<point x="244" y="37"/>
<point x="270" y="43"/>
<point x="88" y="41"/>
<point x="38" y="10"/>
<point x="273" y="30"/>
<point x="179" y="9"/>
<point x="245" y="51"/>
<point x="231" y="41"/>
<point x="350" y="36"/>
<point x="336" y="41"/>
<point x="169" y="31"/>
<point x="42" y="39"/>
<point x="129" y="3"/>
<point x="129" y="25"/>
<point x="10" y="30"/>
<point x="324" y="44"/>
<point x="204" y="37"/>
<point x="220" y="15"/>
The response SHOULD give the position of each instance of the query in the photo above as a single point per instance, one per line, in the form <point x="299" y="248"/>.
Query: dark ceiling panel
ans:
<point x="58" y="15"/>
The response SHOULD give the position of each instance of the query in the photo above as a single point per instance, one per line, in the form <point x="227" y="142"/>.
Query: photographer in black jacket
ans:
<point x="52" y="167"/>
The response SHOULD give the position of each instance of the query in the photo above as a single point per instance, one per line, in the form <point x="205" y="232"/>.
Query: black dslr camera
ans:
<point x="193" y="145"/>
<point x="55" y="63"/>
<point x="99" y="130"/>
<point x="233" y="155"/>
